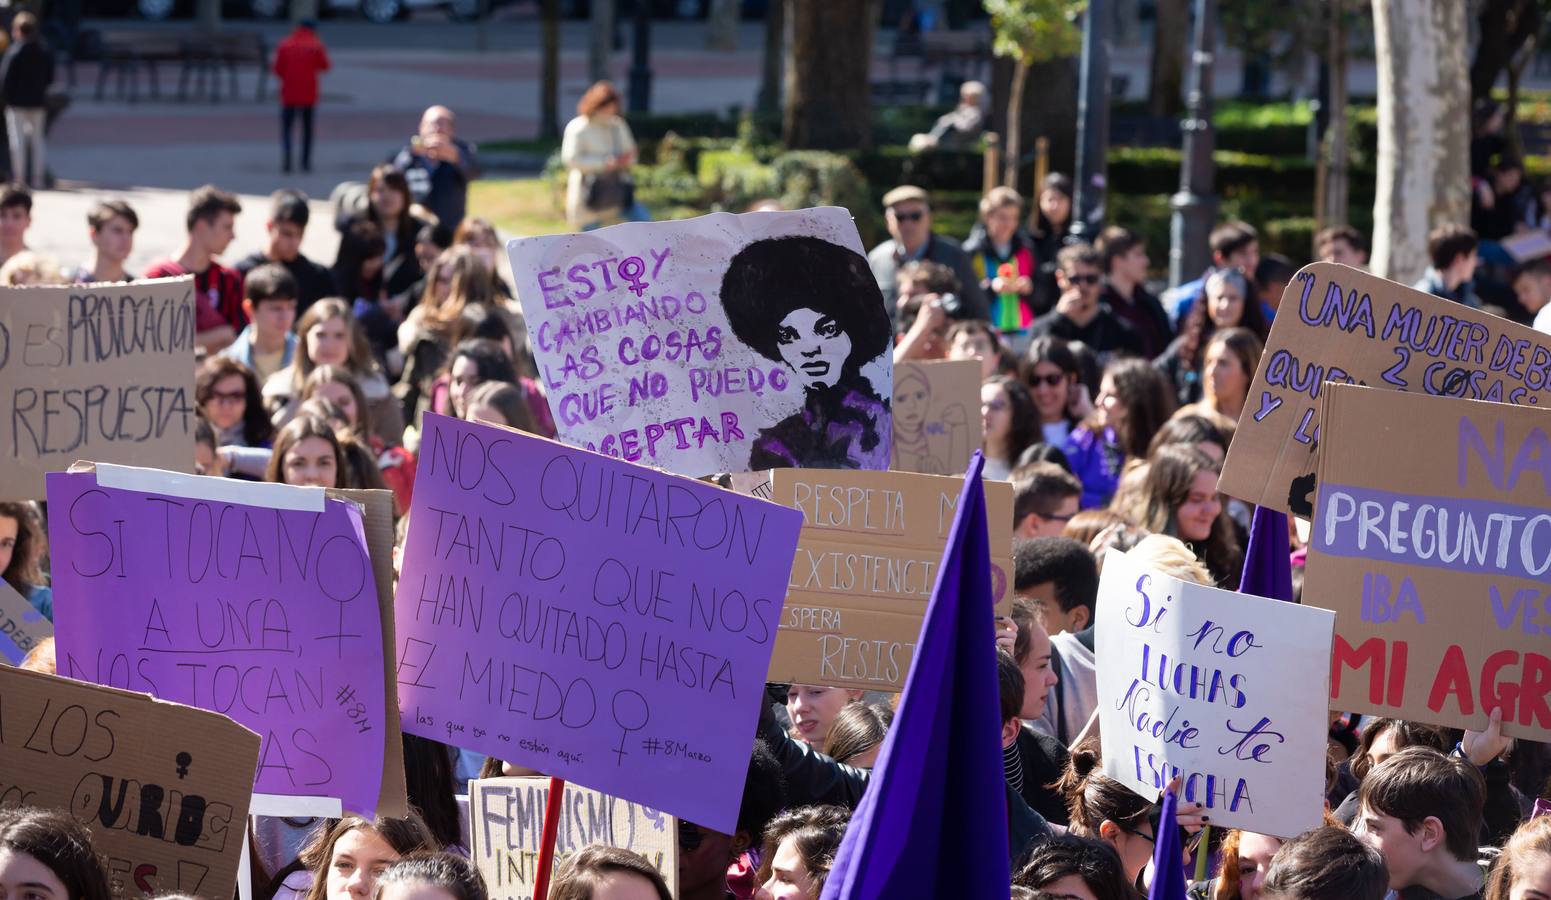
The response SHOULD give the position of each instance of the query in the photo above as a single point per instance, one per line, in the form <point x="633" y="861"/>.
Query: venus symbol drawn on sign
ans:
<point x="631" y="269"/>
<point x="644" y="714"/>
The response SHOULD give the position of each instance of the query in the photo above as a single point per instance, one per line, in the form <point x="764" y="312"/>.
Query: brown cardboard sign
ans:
<point x="163" y="787"/>
<point x="506" y="819"/>
<point x="865" y="567"/>
<point x="937" y="424"/>
<point x="21" y="626"/>
<point x="1432" y="543"/>
<point x="1343" y="325"/>
<point x="377" y="522"/>
<point x="104" y="371"/>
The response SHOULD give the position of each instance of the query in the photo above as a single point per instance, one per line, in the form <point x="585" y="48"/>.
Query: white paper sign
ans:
<point x="727" y="343"/>
<point x="1228" y="690"/>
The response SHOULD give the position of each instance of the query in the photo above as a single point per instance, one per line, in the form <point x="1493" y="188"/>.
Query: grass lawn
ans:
<point x="519" y="207"/>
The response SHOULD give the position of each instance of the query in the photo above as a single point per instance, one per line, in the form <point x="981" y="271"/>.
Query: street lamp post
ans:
<point x="1195" y="205"/>
<point x="640" y="59"/>
<point x="1092" y="122"/>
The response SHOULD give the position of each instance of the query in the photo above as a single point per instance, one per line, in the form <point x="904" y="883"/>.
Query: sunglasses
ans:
<point x="1083" y="279"/>
<point x="1047" y="380"/>
<point x="909" y="217"/>
<point x="224" y="397"/>
<point x="690" y="836"/>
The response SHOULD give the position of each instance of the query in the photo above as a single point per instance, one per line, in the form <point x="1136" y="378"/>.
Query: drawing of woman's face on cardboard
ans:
<point x="912" y="400"/>
<point x="814" y="346"/>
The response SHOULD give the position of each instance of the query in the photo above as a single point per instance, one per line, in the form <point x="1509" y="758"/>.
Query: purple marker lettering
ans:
<point x="550" y="289"/>
<point x="658" y="260"/>
<point x="578" y="275"/>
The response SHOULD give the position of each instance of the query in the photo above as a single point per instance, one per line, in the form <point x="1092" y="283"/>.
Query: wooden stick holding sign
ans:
<point x="547" y="844"/>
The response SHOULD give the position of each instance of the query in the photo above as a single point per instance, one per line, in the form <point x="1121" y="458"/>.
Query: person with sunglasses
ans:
<point x="1103" y="808"/>
<point x="1079" y="314"/>
<point x="907" y="211"/>
<point x="714" y="865"/>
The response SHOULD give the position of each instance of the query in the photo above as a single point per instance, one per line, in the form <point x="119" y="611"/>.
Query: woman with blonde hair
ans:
<point x="598" y="151"/>
<point x="330" y="336"/>
<point x="1523" y="870"/>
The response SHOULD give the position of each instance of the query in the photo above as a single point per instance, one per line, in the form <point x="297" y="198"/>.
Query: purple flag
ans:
<point x="1168" y="880"/>
<point x="933" y="822"/>
<point x="1268" y="560"/>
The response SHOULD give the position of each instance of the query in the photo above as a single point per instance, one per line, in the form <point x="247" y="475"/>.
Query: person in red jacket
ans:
<point x="299" y="59"/>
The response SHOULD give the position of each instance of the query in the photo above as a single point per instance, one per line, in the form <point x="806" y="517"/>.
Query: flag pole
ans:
<point x="546" y="860"/>
<point x="1202" y="852"/>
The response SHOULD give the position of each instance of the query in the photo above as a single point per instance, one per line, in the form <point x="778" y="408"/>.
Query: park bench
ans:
<point x="202" y="59"/>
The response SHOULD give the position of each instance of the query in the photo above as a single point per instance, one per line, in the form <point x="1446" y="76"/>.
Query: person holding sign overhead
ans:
<point x="1105" y="809"/>
<point x="45" y="854"/>
<point x="783" y="300"/>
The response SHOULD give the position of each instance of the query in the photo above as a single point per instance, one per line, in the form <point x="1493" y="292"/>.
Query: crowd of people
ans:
<point x="1110" y="409"/>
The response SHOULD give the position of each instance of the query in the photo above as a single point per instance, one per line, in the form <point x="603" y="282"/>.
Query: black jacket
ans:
<point x="813" y="778"/>
<point x="313" y="282"/>
<point x="1044" y="759"/>
<point x="1106" y="334"/>
<point x="26" y="71"/>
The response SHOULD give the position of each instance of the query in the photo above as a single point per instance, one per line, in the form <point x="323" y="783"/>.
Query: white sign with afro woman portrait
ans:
<point x="727" y="343"/>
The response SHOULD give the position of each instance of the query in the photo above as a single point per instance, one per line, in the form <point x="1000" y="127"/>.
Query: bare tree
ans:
<point x="772" y="72"/>
<point x="1424" y="130"/>
<point x="1170" y="38"/>
<point x="722" y="25"/>
<point x="829" y="74"/>
<point x="549" y="100"/>
<point x="600" y="45"/>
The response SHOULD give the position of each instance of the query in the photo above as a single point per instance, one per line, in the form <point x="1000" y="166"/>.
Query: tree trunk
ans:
<point x="1424" y="130"/>
<point x="1049" y="108"/>
<point x="1170" y="39"/>
<point x="772" y="72"/>
<point x="208" y="12"/>
<point x="1334" y="156"/>
<point x="722" y="25"/>
<point x="1014" y="151"/>
<point x="600" y="43"/>
<point x="549" y="101"/>
<point x="828" y="75"/>
<point x="1505" y="26"/>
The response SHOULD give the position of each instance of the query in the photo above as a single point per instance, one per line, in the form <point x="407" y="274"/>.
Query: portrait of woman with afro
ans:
<point x="814" y="306"/>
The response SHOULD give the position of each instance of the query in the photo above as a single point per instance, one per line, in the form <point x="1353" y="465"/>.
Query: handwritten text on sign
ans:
<point x="266" y="615"/>
<point x="588" y="618"/>
<point x="101" y="372"/>
<point x="506" y="820"/>
<point x="1193" y="681"/>
<point x="865" y="569"/>
<point x="164" y="788"/>
<point x="1343" y="325"/>
<point x="724" y="343"/>
<point x="1436" y="562"/>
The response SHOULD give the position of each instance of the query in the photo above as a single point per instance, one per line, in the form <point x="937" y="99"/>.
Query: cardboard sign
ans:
<point x="257" y="601"/>
<point x="22" y="627"/>
<point x="506" y="819"/>
<point x="102" y="371"/>
<point x="726" y="343"/>
<point x="1436" y="559"/>
<point x="377" y="520"/>
<point x="163" y="787"/>
<point x="937" y="425"/>
<point x="1197" y="682"/>
<point x="1343" y="325"/>
<point x="588" y="618"/>
<point x="865" y="568"/>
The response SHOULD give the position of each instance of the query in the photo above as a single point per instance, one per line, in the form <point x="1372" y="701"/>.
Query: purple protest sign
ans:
<point x="589" y="618"/>
<point x="265" y="611"/>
